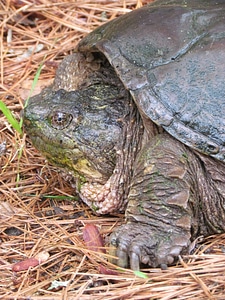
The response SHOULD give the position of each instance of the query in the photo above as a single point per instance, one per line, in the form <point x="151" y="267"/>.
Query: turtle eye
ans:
<point x="60" y="120"/>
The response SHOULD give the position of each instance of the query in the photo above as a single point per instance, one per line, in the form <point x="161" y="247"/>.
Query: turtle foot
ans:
<point x="135" y="244"/>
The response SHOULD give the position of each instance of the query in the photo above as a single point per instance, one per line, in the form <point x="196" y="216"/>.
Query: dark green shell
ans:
<point x="171" y="56"/>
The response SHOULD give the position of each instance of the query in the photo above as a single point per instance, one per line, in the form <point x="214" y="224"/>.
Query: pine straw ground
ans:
<point x="32" y="220"/>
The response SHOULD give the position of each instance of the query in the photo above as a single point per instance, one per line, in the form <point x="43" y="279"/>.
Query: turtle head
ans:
<point x="77" y="130"/>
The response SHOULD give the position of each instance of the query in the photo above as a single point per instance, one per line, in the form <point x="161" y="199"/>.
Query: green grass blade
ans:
<point x="9" y="116"/>
<point x="36" y="77"/>
<point x="141" y="274"/>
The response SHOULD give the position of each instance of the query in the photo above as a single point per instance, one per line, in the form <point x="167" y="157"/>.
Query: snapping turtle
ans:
<point x="136" y="114"/>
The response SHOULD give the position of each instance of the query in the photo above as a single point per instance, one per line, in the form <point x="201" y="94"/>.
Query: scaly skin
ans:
<point x="172" y="195"/>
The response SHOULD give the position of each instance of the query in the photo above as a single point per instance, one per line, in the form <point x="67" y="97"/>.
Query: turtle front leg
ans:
<point x="159" y="214"/>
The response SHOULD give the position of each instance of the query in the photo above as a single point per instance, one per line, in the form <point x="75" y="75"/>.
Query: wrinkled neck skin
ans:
<point x="112" y="196"/>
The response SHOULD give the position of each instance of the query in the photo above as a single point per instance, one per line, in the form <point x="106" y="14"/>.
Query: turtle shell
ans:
<point x="170" y="55"/>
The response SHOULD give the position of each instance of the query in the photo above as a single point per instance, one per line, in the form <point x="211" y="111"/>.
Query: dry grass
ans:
<point x="33" y="31"/>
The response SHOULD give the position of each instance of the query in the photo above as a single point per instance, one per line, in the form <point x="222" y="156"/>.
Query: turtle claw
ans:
<point x="134" y="262"/>
<point x="118" y="256"/>
<point x="136" y="244"/>
<point x="122" y="258"/>
<point x="163" y="266"/>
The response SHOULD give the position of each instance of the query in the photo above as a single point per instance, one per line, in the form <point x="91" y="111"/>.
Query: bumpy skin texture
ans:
<point x="137" y="116"/>
<point x="175" y="193"/>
